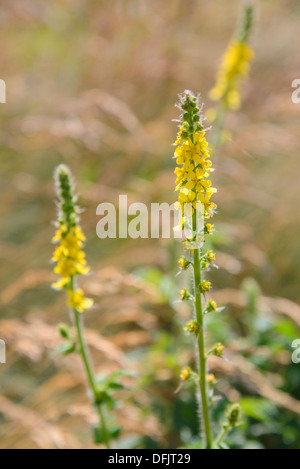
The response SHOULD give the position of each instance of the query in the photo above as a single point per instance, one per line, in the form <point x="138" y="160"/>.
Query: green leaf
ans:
<point x="286" y="329"/>
<point x="103" y="397"/>
<point x="258" y="408"/>
<point x="115" y="385"/>
<point x="63" y="349"/>
<point x="98" y="435"/>
<point x="114" y="432"/>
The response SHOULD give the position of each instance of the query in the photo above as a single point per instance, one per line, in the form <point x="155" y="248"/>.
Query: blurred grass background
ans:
<point x="93" y="84"/>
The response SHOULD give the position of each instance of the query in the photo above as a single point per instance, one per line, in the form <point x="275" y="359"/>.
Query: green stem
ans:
<point x="218" y="126"/>
<point x="83" y="350"/>
<point x="221" y="436"/>
<point x="201" y="343"/>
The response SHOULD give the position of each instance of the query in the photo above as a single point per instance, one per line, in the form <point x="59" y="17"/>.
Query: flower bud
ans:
<point x="64" y="331"/>
<point x="234" y="414"/>
<point x="218" y="349"/>
<point x="211" y="306"/>
<point x="185" y="295"/>
<point x="205" y="286"/>
<point x="193" y="327"/>
<point x="183" y="263"/>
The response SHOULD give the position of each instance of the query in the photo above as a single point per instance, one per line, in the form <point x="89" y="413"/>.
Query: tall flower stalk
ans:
<point x="195" y="191"/>
<point x="196" y="209"/>
<point x="71" y="263"/>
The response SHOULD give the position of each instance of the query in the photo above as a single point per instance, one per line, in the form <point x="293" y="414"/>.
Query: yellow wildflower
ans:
<point x="211" y="256"/>
<point x="185" y="374"/>
<point x="205" y="286"/>
<point x="78" y="301"/>
<point x="219" y="349"/>
<point x="211" y="379"/>
<point x="211" y="306"/>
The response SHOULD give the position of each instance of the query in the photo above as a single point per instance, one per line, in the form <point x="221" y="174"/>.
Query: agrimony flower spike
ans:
<point x="69" y="256"/>
<point x="195" y="189"/>
<point x="70" y="261"/>
<point x="192" y="157"/>
<point x="235" y="66"/>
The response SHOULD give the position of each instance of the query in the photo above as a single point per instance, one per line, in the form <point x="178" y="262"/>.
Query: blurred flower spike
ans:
<point x="235" y="66"/>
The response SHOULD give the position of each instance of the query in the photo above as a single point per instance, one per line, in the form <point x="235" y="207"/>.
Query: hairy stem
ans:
<point x="201" y="343"/>
<point x="219" y="125"/>
<point x="83" y="350"/>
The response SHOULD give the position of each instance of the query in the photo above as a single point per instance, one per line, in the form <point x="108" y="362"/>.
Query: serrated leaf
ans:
<point x="115" y="385"/>
<point x="63" y="349"/>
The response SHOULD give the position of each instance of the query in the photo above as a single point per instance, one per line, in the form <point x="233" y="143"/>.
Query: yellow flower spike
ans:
<point x="68" y="255"/>
<point x="194" y="166"/>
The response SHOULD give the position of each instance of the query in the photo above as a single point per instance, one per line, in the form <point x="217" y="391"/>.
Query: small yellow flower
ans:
<point x="211" y="306"/>
<point x="183" y="263"/>
<point x="209" y="228"/>
<point x="185" y="295"/>
<point x="192" y="327"/>
<point x="78" y="301"/>
<point x="211" y="379"/>
<point x="205" y="286"/>
<point x="61" y="284"/>
<point x="185" y="374"/>
<point x="211" y="256"/>
<point x="219" y="349"/>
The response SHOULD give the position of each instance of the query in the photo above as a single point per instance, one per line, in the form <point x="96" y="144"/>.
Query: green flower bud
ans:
<point x="64" y="331"/>
<point x="205" y="286"/>
<point x="234" y="414"/>
<point x="193" y="327"/>
<point x="185" y="295"/>
<point x="211" y="306"/>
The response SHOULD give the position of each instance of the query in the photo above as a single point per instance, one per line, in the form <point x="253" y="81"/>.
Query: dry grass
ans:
<point x="92" y="84"/>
